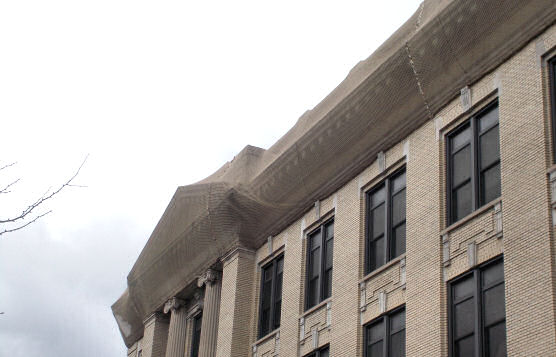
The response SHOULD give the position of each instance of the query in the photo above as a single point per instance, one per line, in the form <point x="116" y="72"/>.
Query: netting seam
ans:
<point x="416" y="74"/>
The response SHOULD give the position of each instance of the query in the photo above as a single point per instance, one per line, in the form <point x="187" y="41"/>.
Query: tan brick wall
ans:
<point x="528" y="248"/>
<point x="155" y="336"/>
<point x="429" y="261"/>
<point x="235" y="310"/>
<point x="436" y="253"/>
<point x="518" y="225"/>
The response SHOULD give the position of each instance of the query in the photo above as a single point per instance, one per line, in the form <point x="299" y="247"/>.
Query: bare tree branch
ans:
<point x="8" y="165"/>
<point x="6" y="189"/>
<point x="43" y="198"/>
<point x="25" y="224"/>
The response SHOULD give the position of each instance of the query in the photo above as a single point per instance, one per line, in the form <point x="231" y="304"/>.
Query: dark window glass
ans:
<point x="477" y="312"/>
<point x="462" y="201"/>
<point x="465" y="347"/>
<point x="319" y="264"/>
<point x="490" y="183"/>
<point x="397" y="334"/>
<point x="474" y="164"/>
<point x="197" y="323"/>
<point x="386" y="221"/>
<point x="271" y="296"/>
<point x="461" y="163"/>
<point x="385" y="337"/>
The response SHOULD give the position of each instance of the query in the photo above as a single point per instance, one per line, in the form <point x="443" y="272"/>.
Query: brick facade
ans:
<point x="518" y="225"/>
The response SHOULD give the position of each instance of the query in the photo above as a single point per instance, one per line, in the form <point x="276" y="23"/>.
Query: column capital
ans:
<point x="173" y="304"/>
<point x="209" y="278"/>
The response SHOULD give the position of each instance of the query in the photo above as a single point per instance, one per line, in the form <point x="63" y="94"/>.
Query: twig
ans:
<point x="44" y="197"/>
<point x="5" y="189"/>
<point x="8" y="165"/>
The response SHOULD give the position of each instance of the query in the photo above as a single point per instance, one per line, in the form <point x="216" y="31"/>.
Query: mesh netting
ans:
<point x="444" y="46"/>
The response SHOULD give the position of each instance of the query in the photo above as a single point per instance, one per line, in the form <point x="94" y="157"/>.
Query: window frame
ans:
<point x="272" y="313"/>
<point x="480" y="344"/>
<point x="322" y="259"/>
<point x="552" y="91"/>
<point x="475" y="174"/>
<point x="196" y="338"/>
<point x="388" y="229"/>
<point x="318" y="352"/>
<point x="385" y="318"/>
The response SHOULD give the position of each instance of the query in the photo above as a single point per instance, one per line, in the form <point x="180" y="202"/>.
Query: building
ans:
<point x="410" y="213"/>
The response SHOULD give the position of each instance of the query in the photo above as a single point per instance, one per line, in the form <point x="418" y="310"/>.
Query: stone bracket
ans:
<point x="381" y="158"/>
<point x="446" y="249"/>
<point x="465" y="98"/>
<point x="301" y="329"/>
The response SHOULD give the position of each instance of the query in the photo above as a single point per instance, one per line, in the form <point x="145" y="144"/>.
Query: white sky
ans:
<point x="159" y="94"/>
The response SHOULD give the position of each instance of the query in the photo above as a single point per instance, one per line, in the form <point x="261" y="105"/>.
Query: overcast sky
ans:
<point x="159" y="94"/>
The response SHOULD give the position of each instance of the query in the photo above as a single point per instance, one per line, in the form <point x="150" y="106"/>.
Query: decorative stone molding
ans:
<point x="472" y="254"/>
<point x="446" y="249"/>
<point x="381" y="158"/>
<point x="255" y="351"/>
<point x="363" y="296"/>
<point x="382" y="301"/>
<point x="303" y="226"/>
<point x="269" y="245"/>
<point x="315" y="337"/>
<point x="173" y="304"/>
<point x="406" y="150"/>
<point x="209" y="278"/>
<point x="465" y="97"/>
<point x="195" y="310"/>
<point x="328" y="314"/>
<point x="498" y="219"/>
<point x="301" y="329"/>
<point x="402" y="273"/>
<point x="317" y="209"/>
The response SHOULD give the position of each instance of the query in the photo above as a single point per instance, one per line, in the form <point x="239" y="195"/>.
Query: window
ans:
<point x="323" y="352"/>
<point x="477" y="313"/>
<point x="385" y="336"/>
<point x="197" y="322"/>
<point x="271" y="296"/>
<point x="473" y="163"/>
<point x="385" y="221"/>
<point x="552" y="74"/>
<point x="319" y="264"/>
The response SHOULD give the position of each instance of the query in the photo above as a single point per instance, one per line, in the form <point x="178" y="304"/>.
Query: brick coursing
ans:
<point x="435" y="252"/>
